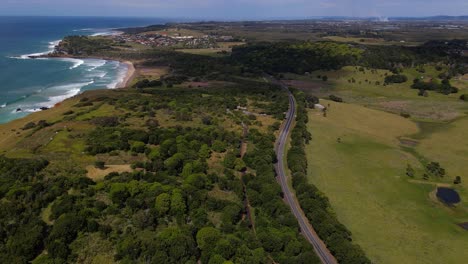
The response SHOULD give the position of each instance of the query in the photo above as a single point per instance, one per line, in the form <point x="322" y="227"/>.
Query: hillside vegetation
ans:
<point x="188" y="192"/>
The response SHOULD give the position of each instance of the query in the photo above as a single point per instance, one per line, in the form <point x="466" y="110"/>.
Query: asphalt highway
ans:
<point x="306" y="228"/>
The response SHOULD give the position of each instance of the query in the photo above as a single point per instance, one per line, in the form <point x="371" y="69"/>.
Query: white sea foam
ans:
<point x="51" y="47"/>
<point x="97" y="74"/>
<point x="53" y="100"/>
<point x="107" y="33"/>
<point x="76" y="63"/>
<point x="69" y="90"/>
<point x="119" y="78"/>
<point x="94" y="64"/>
<point x="3" y="105"/>
<point x="57" y="94"/>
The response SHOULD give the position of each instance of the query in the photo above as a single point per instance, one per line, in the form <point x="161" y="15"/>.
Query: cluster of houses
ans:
<point x="164" y="40"/>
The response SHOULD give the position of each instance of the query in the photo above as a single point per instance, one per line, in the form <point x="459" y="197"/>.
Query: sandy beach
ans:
<point x="129" y="76"/>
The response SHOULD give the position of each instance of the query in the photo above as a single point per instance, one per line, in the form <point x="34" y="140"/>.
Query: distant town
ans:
<point x="172" y="40"/>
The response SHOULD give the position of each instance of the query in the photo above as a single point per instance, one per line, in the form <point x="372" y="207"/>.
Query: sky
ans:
<point x="234" y="9"/>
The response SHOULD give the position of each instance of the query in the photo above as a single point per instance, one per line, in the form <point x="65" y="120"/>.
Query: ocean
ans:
<point x="27" y="84"/>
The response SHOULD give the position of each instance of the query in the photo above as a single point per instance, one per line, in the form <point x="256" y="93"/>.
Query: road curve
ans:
<point x="306" y="228"/>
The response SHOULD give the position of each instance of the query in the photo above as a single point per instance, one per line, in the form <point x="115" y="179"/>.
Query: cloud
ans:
<point x="328" y="4"/>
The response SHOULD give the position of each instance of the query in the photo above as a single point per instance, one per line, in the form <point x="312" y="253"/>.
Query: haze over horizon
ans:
<point x="236" y="9"/>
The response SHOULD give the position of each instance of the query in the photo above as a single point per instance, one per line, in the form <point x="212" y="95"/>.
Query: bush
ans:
<point x="29" y="126"/>
<point x="147" y="83"/>
<point x="464" y="97"/>
<point x="423" y="93"/>
<point x="106" y="121"/>
<point x="336" y="98"/>
<point x="405" y="115"/>
<point x="138" y="147"/>
<point x="396" y="78"/>
<point x="100" y="164"/>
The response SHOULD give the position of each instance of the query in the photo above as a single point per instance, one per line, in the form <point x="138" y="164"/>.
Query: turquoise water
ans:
<point x="26" y="84"/>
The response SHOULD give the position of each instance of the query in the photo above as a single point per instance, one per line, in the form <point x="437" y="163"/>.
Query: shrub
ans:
<point x="100" y="164"/>
<point x="405" y="115"/>
<point x="396" y="78"/>
<point x="106" y="121"/>
<point x="29" y="126"/>
<point x="138" y="147"/>
<point x="336" y="98"/>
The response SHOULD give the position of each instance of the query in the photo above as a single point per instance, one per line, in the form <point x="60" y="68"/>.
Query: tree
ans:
<point x="457" y="180"/>
<point x="178" y="206"/>
<point x="271" y="240"/>
<point x="100" y="164"/>
<point x="239" y="165"/>
<point x="396" y="78"/>
<point x="409" y="171"/>
<point x="435" y="169"/>
<point x="119" y="193"/>
<point x="425" y="177"/>
<point x="163" y="203"/>
<point x="138" y="146"/>
<point x="204" y="152"/>
<point x="207" y="120"/>
<point x="175" y="245"/>
<point x="175" y="162"/>
<point x="219" y="146"/>
<point x="58" y="249"/>
<point x="217" y="259"/>
<point x="27" y="241"/>
<point x="230" y="160"/>
<point x="207" y="238"/>
<point x="336" y="98"/>
<point x="187" y="170"/>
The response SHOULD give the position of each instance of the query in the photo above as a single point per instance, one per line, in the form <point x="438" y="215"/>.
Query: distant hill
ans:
<point x="434" y="18"/>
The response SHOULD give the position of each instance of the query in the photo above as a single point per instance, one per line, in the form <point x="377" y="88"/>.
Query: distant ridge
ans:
<point x="433" y="18"/>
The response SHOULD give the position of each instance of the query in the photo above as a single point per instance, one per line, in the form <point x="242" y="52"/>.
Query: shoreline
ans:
<point x="129" y="76"/>
<point x="124" y="83"/>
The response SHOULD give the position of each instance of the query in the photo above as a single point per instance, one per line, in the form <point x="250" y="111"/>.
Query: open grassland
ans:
<point x="175" y="32"/>
<point x="369" y="41"/>
<point x="394" y="218"/>
<point x="366" y="87"/>
<point x="224" y="49"/>
<point x="449" y="146"/>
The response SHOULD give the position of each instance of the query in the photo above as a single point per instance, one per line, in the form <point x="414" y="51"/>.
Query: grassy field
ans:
<point x="369" y="41"/>
<point x="395" y="219"/>
<point x="174" y="32"/>
<point x="224" y="49"/>
<point x="368" y="90"/>
<point x="449" y="146"/>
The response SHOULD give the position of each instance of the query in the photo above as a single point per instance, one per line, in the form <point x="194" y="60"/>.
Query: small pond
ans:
<point x="448" y="195"/>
